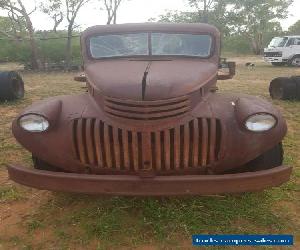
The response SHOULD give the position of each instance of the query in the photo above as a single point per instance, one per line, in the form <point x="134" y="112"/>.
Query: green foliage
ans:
<point x="254" y="19"/>
<point x="11" y="28"/>
<point x="295" y="28"/>
<point x="245" y="25"/>
<point x="9" y="194"/>
<point x="14" y="51"/>
<point x="51" y="47"/>
<point x="215" y="14"/>
<point x="236" y="44"/>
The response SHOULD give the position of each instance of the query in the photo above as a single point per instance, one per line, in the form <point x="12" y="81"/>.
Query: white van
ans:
<point x="283" y="50"/>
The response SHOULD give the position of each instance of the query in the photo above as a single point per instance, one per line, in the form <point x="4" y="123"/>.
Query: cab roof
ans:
<point x="154" y="27"/>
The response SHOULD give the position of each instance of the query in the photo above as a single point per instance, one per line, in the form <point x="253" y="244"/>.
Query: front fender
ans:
<point x="241" y="144"/>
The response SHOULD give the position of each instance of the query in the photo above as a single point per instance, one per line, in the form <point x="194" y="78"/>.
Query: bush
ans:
<point x="236" y="45"/>
<point x="51" y="47"/>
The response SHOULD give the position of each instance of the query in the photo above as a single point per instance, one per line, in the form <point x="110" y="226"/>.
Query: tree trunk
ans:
<point x="257" y="44"/>
<point x="252" y="42"/>
<point x="35" y="64"/>
<point x="115" y="17"/>
<point x="69" y="48"/>
<point x="205" y="13"/>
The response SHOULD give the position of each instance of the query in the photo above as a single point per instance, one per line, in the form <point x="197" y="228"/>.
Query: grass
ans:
<point x="48" y="220"/>
<point x="8" y="193"/>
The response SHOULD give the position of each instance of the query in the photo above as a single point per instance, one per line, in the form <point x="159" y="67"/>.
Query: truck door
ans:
<point x="289" y="50"/>
<point x="294" y="45"/>
<point x="297" y="45"/>
<point x="294" y="51"/>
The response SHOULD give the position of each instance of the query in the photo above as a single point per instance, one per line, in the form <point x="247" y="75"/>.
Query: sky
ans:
<point x="133" y="11"/>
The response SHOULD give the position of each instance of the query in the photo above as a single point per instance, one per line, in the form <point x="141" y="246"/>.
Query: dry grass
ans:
<point x="33" y="219"/>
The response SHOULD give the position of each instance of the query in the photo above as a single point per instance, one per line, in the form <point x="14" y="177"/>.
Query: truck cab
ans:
<point x="283" y="50"/>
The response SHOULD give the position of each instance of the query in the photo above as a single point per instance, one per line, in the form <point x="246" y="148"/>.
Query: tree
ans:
<point x="53" y="8"/>
<point x="295" y="28"/>
<point x="177" y="17"/>
<point x="16" y="9"/>
<point x="254" y="19"/>
<point x="212" y="12"/>
<point x="203" y="8"/>
<point x="12" y="27"/>
<point x="111" y="7"/>
<point x="72" y="9"/>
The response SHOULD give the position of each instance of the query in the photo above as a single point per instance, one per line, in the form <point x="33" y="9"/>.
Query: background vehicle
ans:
<point x="283" y="50"/>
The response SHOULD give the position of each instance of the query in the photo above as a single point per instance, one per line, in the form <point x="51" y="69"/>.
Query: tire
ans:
<point x="278" y="63"/>
<point x="296" y="79"/>
<point x="295" y="61"/>
<point x="42" y="165"/>
<point x="270" y="159"/>
<point x="283" y="88"/>
<point x="11" y="86"/>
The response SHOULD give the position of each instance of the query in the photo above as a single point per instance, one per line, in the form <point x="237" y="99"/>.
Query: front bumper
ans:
<point x="155" y="186"/>
<point x="274" y="59"/>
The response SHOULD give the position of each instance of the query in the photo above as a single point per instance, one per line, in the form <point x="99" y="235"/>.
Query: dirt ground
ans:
<point x="37" y="219"/>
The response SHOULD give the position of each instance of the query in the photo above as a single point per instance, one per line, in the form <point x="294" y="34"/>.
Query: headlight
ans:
<point x="34" y="123"/>
<point x="260" y="122"/>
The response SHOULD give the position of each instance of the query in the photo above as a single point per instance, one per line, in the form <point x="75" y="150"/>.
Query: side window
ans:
<point x="297" y="41"/>
<point x="290" y="42"/>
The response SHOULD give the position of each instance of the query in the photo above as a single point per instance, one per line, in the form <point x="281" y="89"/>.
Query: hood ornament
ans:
<point x="144" y="81"/>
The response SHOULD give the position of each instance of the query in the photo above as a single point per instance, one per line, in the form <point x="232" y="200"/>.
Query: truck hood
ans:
<point x="149" y="80"/>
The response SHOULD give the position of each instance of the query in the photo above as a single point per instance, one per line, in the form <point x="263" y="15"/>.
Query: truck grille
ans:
<point x="273" y="54"/>
<point x="192" y="145"/>
<point x="147" y="110"/>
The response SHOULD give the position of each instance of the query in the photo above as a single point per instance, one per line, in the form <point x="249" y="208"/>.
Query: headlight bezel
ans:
<point x="257" y="115"/>
<point x="37" y="115"/>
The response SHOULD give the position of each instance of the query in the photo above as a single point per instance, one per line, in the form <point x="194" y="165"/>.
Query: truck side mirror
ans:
<point x="227" y="70"/>
<point x="80" y="78"/>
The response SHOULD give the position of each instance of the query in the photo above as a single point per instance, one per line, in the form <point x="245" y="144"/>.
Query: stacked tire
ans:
<point x="11" y="86"/>
<point x="285" y="88"/>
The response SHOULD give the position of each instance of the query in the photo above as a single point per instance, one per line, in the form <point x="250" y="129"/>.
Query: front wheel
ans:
<point x="295" y="61"/>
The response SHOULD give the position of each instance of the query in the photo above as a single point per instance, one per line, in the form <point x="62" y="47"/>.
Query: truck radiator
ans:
<point x="193" y="145"/>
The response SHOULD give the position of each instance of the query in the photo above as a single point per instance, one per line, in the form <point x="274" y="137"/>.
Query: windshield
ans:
<point x="162" y="44"/>
<point x="278" y="42"/>
<point x="119" y="45"/>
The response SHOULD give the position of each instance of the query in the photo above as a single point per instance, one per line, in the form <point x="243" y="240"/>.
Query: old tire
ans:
<point x="278" y="64"/>
<point x="296" y="79"/>
<point x="11" y="86"/>
<point x="283" y="88"/>
<point x="42" y="165"/>
<point x="295" y="61"/>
